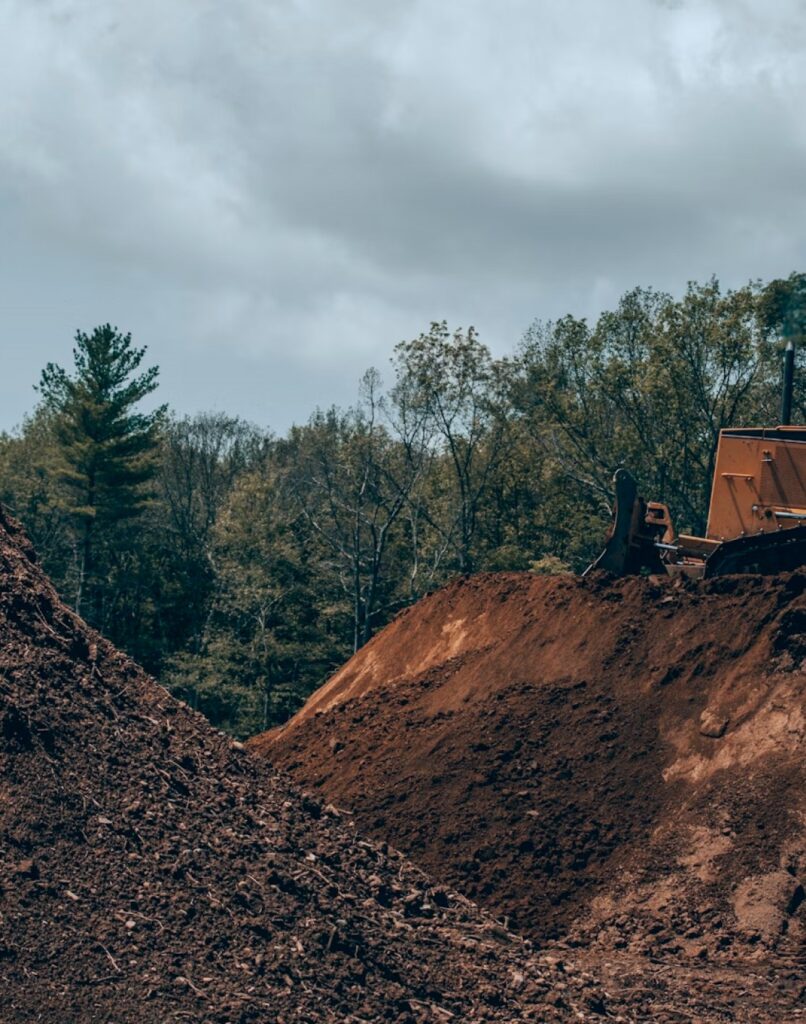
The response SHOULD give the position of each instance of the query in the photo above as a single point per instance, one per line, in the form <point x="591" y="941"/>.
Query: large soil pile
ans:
<point x="620" y="762"/>
<point x="151" y="871"/>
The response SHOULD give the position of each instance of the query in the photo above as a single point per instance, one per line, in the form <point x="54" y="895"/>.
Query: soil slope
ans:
<point x="620" y="762"/>
<point x="151" y="871"/>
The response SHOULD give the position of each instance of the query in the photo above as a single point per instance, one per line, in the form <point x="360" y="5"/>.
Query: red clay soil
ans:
<point x="616" y="762"/>
<point x="152" y="871"/>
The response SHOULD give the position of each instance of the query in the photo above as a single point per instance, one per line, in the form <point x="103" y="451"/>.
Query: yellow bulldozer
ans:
<point x="756" y="518"/>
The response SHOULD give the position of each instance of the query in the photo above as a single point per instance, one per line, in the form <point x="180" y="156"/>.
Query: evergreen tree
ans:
<point x="107" y="449"/>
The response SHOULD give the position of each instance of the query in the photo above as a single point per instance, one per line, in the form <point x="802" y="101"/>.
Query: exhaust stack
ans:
<point x="789" y="376"/>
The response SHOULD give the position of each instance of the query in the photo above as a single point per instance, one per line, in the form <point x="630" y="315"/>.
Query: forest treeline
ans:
<point x="242" y="567"/>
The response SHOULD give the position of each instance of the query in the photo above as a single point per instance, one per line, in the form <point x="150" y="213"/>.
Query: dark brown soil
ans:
<point x="616" y="762"/>
<point x="152" y="871"/>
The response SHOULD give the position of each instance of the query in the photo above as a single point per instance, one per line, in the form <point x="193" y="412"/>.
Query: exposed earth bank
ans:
<point x="616" y="763"/>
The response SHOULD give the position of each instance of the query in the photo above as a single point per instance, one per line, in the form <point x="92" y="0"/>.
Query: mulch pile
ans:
<point x="152" y="871"/>
<point x="615" y="763"/>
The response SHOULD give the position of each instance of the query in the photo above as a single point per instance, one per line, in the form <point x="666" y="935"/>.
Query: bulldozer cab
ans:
<point x="759" y="482"/>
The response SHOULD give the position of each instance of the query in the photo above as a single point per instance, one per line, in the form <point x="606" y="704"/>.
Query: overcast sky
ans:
<point x="270" y="194"/>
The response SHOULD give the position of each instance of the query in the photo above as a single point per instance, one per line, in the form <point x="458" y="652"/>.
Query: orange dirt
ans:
<point x="619" y="762"/>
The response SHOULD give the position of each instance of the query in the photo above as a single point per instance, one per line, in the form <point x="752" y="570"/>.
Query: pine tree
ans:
<point x="107" y="449"/>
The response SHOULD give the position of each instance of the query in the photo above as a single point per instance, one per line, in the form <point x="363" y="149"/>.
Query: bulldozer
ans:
<point x="756" y="516"/>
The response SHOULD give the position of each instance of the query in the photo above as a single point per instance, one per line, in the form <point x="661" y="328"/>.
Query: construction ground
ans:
<point x="527" y="799"/>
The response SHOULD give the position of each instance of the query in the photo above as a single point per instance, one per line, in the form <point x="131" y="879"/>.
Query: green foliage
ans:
<point x="650" y="387"/>
<point x="242" y="569"/>
<point x="351" y="481"/>
<point x="107" y="446"/>
<point x="549" y="565"/>
<point x="29" y="488"/>
<point x="452" y="385"/>
<point x="105" y="458"/>
<point x="277" y="626"/>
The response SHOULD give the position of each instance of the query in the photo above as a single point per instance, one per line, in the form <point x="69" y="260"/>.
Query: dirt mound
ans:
<point x="150" y="870"/>
<point x="620" y="762"/>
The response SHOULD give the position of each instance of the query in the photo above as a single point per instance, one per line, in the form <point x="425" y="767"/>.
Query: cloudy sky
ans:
<point x="270" y="194"/>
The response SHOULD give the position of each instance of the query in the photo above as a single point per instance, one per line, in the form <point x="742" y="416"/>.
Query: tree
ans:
<point x="782" y="306"/>
<point x="649" y="387"/>
<point x="243" y="568"/>
<point x="278" y="625"/>
<point x="352" y="481"/>
<point x="201" y="460"/>
<point x="29" y="489"/>
<point x="452" y="381"/>
<point x="106" y="447"/>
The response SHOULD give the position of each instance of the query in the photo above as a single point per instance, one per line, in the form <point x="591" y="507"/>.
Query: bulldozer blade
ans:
<point x="628" y="548"/>
<point x="617" y="554"/>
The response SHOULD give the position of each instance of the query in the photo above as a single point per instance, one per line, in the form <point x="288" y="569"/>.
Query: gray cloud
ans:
<point x="271" y="194"/>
